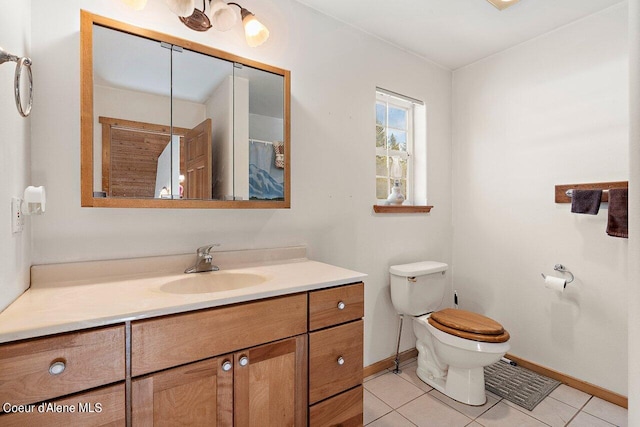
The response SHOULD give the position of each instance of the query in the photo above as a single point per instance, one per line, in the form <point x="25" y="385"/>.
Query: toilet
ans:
<point x="453" y="345"/>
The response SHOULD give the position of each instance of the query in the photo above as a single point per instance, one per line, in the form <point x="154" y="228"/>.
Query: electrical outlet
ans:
<point x="17" y="217"/>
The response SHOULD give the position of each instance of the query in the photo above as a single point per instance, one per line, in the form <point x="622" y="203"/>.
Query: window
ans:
<point x="396" y="132"/>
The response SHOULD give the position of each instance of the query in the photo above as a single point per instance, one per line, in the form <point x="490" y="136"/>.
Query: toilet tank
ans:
<point x="417" y="288"/>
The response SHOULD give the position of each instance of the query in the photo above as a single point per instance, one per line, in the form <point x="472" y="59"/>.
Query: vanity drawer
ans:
<point x="100" y="407"/>
<point x="333" y="306"/>
<point x="88" y="359"/>
<point x="335" y="360"/>
<point x="178" y="339"/>
<point x="344" y="410"/>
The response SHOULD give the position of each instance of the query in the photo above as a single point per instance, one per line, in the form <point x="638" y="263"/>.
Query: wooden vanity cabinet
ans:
<point x="259" y="363"/>
<point x="250" y="384"/>
<point x="336" y="356"/>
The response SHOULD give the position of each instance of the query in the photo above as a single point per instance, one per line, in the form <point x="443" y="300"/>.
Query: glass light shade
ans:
<point x="254" y="31"/>
<point x="182" y="8"/>
<point x="222" y="15"/>
<point x="135" y="4"/>
<point x="396" y="169"/>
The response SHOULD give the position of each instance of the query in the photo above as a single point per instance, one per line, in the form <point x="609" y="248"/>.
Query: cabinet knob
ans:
<point x="341" y="305"/>
<point x="57" y="368"/>
<point x="227" y="365"/>
<point x="244" y="361"/>
<point x="341" y="360"/>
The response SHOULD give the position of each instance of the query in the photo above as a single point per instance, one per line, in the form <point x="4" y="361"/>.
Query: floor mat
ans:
<point x="518" y="385"/>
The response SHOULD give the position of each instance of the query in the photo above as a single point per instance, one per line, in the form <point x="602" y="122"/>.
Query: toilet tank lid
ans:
<point x="418" y="268"/>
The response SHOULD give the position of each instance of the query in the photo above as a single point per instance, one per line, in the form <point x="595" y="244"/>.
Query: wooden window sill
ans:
<point x="401" y="209"/>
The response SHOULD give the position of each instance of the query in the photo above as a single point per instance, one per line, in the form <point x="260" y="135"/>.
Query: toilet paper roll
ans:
<point x="555" y="283"/>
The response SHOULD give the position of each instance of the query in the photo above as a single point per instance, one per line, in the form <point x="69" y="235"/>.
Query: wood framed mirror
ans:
<point x="168" y="123"/>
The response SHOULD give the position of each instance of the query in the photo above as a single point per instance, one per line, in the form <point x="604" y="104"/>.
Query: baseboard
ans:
<point x="594" y="390"/>
<point x="584" y="386"/>
<point x="389" y="362"/>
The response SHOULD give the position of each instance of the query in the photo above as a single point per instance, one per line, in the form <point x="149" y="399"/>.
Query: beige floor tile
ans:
<point x="607" y="411"/>
<point x="393" y="390"/>
<point x="474" y="424"/>
<point x="409" y="374"/>
<point x="468" y="410"/>
<point x="585" y="420"/>
<point x="427" y="411"/>
<point x="503" y="415"/>
<point x="570" y="396"/>
<point x="374" y="408"/>
<point x="392" y="419"/>
<point x="550" y="411"/>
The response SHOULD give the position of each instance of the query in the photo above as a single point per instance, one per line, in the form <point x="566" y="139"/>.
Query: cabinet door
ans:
<point x="271" y="384"/>
<point x="198" y="394"/>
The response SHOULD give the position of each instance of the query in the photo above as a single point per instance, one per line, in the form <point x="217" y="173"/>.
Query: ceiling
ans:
<point x="455" y="33"/>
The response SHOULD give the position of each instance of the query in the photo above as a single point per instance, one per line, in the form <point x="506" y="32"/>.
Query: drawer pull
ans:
<point x="244" y="361"/>
<point x="340" y="360"/>
<point x="57" y="368"/>
<point x="341" y="305"/>
<point x="226" y="366"/>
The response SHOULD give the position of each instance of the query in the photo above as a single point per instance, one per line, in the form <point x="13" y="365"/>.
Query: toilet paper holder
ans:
<point x="561" y="268"/>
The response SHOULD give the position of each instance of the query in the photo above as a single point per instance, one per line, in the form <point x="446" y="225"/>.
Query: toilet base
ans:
<point x="464" y="385"/>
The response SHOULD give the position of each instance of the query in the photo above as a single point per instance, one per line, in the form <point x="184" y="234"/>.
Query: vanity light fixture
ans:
<point x="220" y="16"/>
<point x="503" y="4"/>
<point x="135" y="4"/>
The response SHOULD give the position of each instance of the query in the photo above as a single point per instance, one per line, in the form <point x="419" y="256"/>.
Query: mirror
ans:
<point x="172" y="124"/>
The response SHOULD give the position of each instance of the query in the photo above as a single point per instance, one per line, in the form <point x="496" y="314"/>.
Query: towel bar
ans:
<point x="569" y="192"/>
<point x="564" y="192"/>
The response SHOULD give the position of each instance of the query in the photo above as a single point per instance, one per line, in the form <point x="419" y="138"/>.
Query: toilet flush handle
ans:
<point x="412" y="279"/>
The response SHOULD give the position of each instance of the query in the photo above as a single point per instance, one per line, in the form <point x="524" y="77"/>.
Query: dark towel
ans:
<point x="618" y="225"/>
<point x="586" y="201"/>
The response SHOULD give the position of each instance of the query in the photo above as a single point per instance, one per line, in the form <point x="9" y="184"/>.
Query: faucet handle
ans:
<point x="204" y="250"/>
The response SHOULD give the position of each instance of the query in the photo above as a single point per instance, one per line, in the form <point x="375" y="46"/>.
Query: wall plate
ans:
<point x="17" y="217"/>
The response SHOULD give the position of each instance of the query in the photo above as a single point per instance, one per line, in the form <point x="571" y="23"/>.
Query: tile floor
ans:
<point x="403" y="400"/>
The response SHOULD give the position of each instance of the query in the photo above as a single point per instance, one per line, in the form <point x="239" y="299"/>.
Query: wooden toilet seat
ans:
<point x="468" y="325"/>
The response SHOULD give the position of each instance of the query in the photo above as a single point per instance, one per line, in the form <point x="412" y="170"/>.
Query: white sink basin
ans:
<point x="216" y="281"/>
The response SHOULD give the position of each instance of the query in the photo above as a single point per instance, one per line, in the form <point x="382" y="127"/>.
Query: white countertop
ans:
<point x="65" y="298"/>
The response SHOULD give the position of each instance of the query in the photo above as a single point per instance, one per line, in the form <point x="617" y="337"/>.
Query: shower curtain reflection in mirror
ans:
<point x="266" y="180"/>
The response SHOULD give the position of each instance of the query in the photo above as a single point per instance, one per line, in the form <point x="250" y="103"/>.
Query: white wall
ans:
<point x="15" y="249"/>
<point x="550" y="111"/>
<point x="335" y="70"/>
<point x="265" y="128"/>
<point x="240" y="138"/>
<point x="219" y="107"/>
<point x="634" y="213"/>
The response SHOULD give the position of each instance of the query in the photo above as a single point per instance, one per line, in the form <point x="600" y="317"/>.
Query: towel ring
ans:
<point x="21" y="63"/>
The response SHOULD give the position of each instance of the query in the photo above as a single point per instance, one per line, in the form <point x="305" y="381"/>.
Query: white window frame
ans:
<point x="407" y="104"/>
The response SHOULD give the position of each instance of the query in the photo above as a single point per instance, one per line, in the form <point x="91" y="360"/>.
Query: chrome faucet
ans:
<point x="203" y="262"/>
